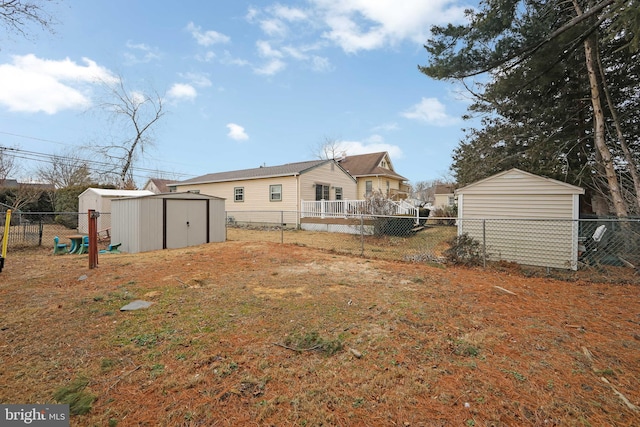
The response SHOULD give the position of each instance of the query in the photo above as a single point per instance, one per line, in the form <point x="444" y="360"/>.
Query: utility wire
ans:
<point x="108" y="164"/>
<point x="100" y="167"/>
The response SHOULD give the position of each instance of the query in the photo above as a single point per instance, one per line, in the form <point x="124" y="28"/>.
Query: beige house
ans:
<point x="375" y="172"/>
<point x="444" y="196"/>
<point x="274" y="194"/>
<point x="523" y="218"/>
<point x="157" y="185"/>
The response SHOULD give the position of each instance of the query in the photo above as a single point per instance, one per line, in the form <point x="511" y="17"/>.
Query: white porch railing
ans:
<point x="345" y="208"/>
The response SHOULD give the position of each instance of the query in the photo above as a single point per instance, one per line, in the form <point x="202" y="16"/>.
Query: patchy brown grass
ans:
<point x="250" y="333"/>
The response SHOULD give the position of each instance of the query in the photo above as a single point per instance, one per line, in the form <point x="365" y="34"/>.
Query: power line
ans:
<point x="100" y="167"/>
<point x="34" y="138"/>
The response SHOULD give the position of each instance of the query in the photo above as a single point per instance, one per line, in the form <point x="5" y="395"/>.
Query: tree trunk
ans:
<point x="590" y="49"/>
<point x="633" y="168"/>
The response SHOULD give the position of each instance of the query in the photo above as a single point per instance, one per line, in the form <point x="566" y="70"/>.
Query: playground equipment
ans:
<point x="5" y="239"/>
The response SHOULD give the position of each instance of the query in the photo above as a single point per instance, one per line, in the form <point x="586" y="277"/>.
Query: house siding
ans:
<point x="327" y="174"/>
<point x="520" y="209"/>
<point x="257" y="207"/>
<point x="256" y="193"/>
<point x="379" y="183"/>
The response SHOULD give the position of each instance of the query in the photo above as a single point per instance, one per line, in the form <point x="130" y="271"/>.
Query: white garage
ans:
<point x="523" y="218"/>
<point x="167" y="221"/>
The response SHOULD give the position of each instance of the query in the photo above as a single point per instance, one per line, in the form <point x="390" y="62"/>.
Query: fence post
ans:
<point x="93" y="238"/>
<point x="361" y="235"/>
<point x="484" y="244"/>
<point x="5" y="238"/>
<point x="281" y="227"/>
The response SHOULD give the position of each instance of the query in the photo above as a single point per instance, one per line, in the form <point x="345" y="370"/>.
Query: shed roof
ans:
<point x="117" y="193"/>
<point x="509" y="179"/>
<point x="184" y="195"/>
<point x="289" y="169"/>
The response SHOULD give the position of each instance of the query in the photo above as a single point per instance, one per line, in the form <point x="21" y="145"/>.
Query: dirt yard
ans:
<point x="264" y="334"/>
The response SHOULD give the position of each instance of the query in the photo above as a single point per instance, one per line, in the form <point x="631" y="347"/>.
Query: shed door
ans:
<point x="185" y="223"/>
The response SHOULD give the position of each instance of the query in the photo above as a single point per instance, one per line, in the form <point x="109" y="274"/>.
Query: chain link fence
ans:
<point x="33" y="229"/>
<point x="558" y="244"/>
<point x="549" y="243"/>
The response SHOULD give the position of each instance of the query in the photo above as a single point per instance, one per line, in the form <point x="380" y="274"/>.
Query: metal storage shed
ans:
<point x="523" y="218"/>
<point x="99" y="199"/>
<point x="167" y="221"/>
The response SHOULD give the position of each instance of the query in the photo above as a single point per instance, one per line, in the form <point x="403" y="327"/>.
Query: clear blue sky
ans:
<point x="244" y="83"/>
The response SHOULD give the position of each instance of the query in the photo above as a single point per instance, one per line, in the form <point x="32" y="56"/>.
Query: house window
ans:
<point x="275" y="193"/>
<point x="338" y="193"/>
<point x="368" y="188"/>
<point x="452" y="200"/>
<point x="194" y="191"/>
<point x="238" y="194"/>
<point x="388" y="188"/>
<point x="322" y="192"/>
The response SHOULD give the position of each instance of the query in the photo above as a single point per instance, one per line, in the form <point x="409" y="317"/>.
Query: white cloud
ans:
<point x="181" y="91"/>
<point x="140" y="53"/>
<point x="251" y="14"/>
<point x="198" y="79"/>
<point x="352" y="25"/>
<point x="430" y="110"/>
<point x="289" y="13"/>
<point x="321" y="64"/>
<point x="365" y="25"/>
<point x="387" y="127"/>
<point x="372" y="144"/>
<point x="206" y="38"/>
<point x="228" y="59"/>
<point x="270" y="68"/>
<point x="273" y="27"/>
<point x="32" y="84"/>
<point x="237" y="132"/>
<point x="266" y="51"/>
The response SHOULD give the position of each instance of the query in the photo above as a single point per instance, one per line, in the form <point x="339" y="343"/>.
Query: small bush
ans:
<point x="394" y="226"/>
<point x="464" y="250"/>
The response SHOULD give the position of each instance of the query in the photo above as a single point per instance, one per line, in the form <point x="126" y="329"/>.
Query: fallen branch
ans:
<point x="299" y="350"/>
<point x="505" y="290"/>
<point x="122" y="376"/>
<point x="622" y="397"/>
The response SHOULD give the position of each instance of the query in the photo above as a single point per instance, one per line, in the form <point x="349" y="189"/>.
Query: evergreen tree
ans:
<point x="556" y="74"/>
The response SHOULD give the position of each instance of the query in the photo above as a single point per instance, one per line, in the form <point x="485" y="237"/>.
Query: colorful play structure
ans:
<point x="5" y="239"/>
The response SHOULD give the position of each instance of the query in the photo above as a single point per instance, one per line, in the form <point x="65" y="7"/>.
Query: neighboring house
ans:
<point x="274" y="188"/>
<point x="12" y="183"/>
<point x="523" y="218"/>
<point x="444" y="196"/>
<point x="157" y="185"/>
<point x="374" y="172"/>
<point x="9" y="183"/>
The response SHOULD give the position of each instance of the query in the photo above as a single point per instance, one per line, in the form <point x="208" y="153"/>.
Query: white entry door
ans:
<point x="186" y="223"/>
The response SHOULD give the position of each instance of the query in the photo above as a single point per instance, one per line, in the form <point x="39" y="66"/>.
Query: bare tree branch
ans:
<point x="16" y="15"/>
<point x="138" y="112"/>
